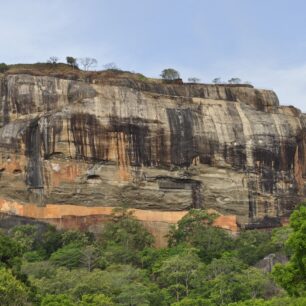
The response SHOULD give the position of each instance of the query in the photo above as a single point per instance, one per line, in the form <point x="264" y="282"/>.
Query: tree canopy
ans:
<point x="202" y="265"/>
<point x="170" y="74"/>
<point x="292" y="276"/>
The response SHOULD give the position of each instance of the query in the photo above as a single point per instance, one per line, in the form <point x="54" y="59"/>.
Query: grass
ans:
<point x="65" y="71"/>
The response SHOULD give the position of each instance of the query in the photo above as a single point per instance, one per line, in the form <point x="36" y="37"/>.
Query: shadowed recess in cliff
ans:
<point x="166" y="183"/>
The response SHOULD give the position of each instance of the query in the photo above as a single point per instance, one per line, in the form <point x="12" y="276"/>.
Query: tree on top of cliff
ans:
<point x="170" y="74"/>
<point x="53" y="60"/>
<point x="3" y="67"/>
<point x="234" y="81"/>
<point x="111" y="66"/>
<point x="88" y="62"/>
<point x="72" y="61"/>
<point x="217" y="81"/>
<point x="194" y="80"/>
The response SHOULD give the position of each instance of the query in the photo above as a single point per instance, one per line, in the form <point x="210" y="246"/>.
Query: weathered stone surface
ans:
<point x="155" y="147"/>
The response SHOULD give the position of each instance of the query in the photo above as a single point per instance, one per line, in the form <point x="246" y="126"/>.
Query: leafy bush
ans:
<point x="3" y="67"/>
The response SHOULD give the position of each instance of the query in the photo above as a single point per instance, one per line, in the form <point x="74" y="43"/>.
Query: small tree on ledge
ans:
<point x="88" y="63"/>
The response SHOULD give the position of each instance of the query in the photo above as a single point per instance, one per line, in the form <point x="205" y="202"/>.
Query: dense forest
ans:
<point x="202" y="265"/>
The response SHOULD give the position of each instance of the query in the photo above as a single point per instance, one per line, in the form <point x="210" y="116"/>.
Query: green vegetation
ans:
<point x="203" y="265"/>
<point x="72" y="61"/>
<point x="170" y="74"/>
<point x="292" y="276"/>
<point x="12" y="291"/>
<point x="3" y="67"/>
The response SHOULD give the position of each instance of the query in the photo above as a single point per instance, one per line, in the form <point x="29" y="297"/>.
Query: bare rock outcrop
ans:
<point x="153" y="147"/>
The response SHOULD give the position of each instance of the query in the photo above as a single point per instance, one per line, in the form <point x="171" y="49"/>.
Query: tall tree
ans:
<point x="178" y="272"/>
<point x="292" y="276"/>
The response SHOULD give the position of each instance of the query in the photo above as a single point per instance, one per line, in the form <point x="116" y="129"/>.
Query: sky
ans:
<point x="259" y="41"/>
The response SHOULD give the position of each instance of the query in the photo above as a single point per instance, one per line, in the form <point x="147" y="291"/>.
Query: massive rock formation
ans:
<point x="158" y="148"/>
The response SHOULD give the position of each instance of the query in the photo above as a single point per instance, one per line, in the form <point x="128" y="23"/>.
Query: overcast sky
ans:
<point x="260" y="41"/>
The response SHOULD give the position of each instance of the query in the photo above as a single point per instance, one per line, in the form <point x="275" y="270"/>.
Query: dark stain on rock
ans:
<point x="252" y="203"/>
<point x="230" y="96"/>
<point x="301" y="141"/>
<point x="235" y="155"/>
<point x="50" y="130"/>
<point x="50" y="100"/>
<point x="5" y="109"/>
<point x="286" y="155"/>
<point x="270" y="161"/>
<point x="136" y="136"/>
<point x="92" y="140"/>
<point x="183" y="148"/>
<point x="32" y="141"/>
<point x="266" y="162"/>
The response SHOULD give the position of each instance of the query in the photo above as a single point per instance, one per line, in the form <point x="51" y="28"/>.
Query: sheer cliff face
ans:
<point x="151" y="147"/>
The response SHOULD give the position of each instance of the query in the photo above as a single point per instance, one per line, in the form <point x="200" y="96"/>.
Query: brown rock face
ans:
<point x="151" y="147"/>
